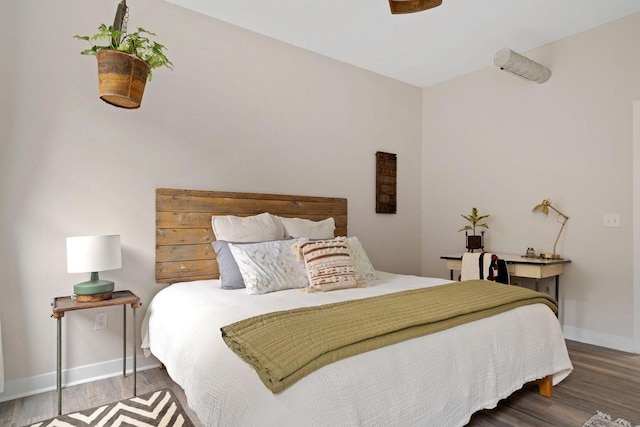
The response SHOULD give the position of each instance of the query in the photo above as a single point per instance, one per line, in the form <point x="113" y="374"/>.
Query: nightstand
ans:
<point x="61" y="305"/>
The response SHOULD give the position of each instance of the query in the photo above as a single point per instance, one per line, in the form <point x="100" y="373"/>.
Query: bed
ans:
<point x="437" y="379"/>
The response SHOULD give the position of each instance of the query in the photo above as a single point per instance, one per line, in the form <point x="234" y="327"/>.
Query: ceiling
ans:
<point x="421" y="48"/>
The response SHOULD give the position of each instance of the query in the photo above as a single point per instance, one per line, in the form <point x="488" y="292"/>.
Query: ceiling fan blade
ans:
<point x="411" y="6"/>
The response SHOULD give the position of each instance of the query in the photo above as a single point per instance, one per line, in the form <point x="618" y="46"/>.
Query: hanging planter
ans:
<point x="121" y="78"/>
<point x="126" y="61"/>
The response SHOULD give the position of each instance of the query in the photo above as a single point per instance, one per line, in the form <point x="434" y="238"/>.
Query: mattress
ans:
<point x="438" y="379"/>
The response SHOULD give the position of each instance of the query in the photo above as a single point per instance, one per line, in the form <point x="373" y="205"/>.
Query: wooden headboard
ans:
<point x="183" y="225"/>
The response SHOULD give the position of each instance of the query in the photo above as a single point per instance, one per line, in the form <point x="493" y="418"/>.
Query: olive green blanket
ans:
<point x="285" y="346"/>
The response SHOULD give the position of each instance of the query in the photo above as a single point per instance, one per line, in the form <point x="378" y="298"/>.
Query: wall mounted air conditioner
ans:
<point x="521" y="66"/>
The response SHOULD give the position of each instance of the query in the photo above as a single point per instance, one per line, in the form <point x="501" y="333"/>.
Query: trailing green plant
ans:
<point x="475" y="220"/>
<point x="137" y="43"/>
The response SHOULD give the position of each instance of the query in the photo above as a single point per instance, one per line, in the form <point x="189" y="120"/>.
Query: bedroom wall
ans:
<point x="503" y="144"/>
<point x="241" y="112"/>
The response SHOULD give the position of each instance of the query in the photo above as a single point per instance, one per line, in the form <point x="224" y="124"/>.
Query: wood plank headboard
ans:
<point x="183" y="225"/>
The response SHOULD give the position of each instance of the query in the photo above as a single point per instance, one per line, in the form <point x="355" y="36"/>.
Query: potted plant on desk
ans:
<point x="125" y="63"/>
<point x="474" y="241"/>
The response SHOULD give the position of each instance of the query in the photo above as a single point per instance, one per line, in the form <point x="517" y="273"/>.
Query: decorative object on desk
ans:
<point x="474" y="241"/>
<point x="92" y="254"/>
<point x="386" y="171"/>
<point x="531" y="253"/>
<point x="543" y="208"/>
<point x="126" y="61"/>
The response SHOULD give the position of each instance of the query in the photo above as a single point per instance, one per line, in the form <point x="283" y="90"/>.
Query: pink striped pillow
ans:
<point x="329" y="265"/>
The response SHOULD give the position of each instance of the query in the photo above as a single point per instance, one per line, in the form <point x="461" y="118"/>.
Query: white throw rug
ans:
<point x="604" y="420"/>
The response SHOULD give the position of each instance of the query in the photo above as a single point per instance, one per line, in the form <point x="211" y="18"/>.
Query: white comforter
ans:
<point x="436" y="380"/>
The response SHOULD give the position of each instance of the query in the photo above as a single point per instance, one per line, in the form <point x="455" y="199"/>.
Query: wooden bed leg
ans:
<point x="545" y="386"/>
<point x="162" y="367"/>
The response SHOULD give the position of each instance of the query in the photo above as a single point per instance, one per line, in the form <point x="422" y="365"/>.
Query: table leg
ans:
<point x="537" y="285"/>
<point x="558" y="294"/>
<point x="135" y="339"/>
<point x="124" y="340"/>
<point x="451" y="274"/>
<point x="59" y="365"/>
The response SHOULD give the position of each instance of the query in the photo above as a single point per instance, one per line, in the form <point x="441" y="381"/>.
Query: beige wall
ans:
<point x="241" y="112"/>
<point x="503" y="144"/>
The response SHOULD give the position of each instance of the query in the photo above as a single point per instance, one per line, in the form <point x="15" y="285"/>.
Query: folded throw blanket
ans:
<point x="285" y="346"/>
<point x="476" y="266"/>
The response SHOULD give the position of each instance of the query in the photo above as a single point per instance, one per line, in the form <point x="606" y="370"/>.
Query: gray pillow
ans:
<point x="230" y="277"/>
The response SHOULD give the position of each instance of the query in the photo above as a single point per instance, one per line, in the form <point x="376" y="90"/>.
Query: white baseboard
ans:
<point x="597" y="338"/>
<point x="14" y="389"/>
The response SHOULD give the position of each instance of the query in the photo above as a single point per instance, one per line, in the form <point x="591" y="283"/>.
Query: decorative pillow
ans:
<point x="299" y="227"/>
<point x="329" y="265"/>
<point x="364" y="269"/>
<point x="230" y="277"/>
<point x="270" y="266"/>
<point x="257" y="228"/>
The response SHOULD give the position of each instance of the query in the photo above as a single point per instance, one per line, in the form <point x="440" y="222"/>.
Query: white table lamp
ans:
<point x="92" y="254"/>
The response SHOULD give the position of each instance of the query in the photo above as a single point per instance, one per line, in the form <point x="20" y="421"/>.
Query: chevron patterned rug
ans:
<point x="159" y="408"/>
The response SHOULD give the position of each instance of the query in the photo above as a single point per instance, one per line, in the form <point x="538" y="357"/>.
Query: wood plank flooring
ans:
<point x="603" y="379"/>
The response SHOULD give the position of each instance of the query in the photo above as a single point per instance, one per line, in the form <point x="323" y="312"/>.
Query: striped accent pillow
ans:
<point x="329" y="265"/>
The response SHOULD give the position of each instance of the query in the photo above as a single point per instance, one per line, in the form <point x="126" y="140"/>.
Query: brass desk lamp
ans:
<point x="543" y="208"/>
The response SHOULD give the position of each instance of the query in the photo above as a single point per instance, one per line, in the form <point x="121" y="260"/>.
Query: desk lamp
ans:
<point x="92" y="254"/>
<point x="543" y="208"/>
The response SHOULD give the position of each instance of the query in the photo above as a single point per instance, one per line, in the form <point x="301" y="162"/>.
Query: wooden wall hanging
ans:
<point x="386" y="172"/>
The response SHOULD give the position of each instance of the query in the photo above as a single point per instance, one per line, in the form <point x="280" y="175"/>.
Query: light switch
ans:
<point x="611" y="220"/>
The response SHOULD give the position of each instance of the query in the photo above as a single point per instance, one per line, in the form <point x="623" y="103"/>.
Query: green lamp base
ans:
<point x="93" y="290"/>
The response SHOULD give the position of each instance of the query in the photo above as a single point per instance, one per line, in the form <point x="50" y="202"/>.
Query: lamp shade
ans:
<point x="93" y="253"/>
<point x="542" y="208"/>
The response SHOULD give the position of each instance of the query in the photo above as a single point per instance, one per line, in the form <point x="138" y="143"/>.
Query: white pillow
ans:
<point x="270" y="266"/>
<point x="299" y="227"/>
<point x="363" y="267"/>
<point x="257" y="228"/>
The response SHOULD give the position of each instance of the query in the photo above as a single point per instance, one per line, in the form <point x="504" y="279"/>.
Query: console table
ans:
<point x="519" y="266"/>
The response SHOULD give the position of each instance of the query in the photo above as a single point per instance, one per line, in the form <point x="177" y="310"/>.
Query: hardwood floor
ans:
<point x="603" y="379"/>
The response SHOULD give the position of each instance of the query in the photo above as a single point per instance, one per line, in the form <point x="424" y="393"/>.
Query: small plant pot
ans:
<point x="121" y="78"/>
<point x="474" y="242"/>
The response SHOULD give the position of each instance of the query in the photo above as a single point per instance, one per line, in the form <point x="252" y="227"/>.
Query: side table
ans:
<point x="61" y="305"/>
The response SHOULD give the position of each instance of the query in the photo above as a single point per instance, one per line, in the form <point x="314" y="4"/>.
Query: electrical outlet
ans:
<point x="611" y="220"/>
<point x="101" y="321"/>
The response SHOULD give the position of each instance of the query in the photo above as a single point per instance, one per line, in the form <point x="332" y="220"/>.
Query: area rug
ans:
<point x="159" y="408"/>
<point x="604" y="420"/>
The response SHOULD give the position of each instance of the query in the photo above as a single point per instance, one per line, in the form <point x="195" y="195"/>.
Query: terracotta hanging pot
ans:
<point x="121" y="78"/>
